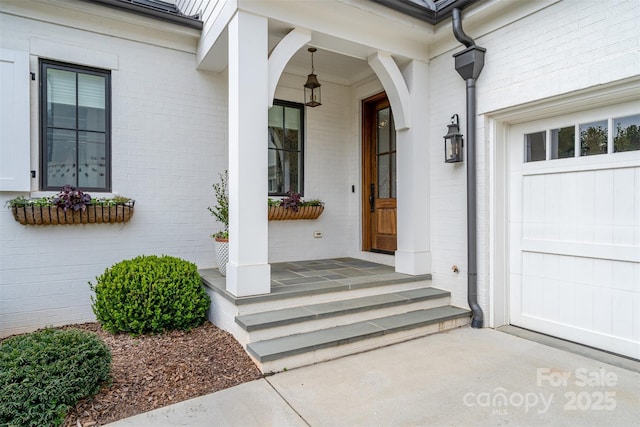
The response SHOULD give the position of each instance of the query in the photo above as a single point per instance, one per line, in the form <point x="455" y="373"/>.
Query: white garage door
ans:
<point x="574" y="227"/>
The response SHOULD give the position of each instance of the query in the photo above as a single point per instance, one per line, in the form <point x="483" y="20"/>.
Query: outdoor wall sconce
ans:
<point x="312" y="86"/>
<point x="453" y="142"/>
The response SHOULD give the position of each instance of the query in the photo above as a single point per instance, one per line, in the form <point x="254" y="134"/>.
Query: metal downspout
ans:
<point x="469" y="64"/>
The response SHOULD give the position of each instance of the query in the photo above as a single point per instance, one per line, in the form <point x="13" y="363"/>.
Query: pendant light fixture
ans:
<point x="312" y="95"/>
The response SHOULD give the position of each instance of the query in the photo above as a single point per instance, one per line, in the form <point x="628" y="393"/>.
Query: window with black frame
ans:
<point x="286" y="140"/>
<point x="75" y="127"/>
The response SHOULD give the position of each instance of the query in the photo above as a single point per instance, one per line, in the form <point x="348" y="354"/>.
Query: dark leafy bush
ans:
<point x="150" y="294"/>
<point x="45" y="373"/>
<point x="292" y="201"/>
<point x="72" y="198"/>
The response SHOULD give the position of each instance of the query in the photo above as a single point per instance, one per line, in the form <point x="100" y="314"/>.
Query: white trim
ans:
<point x="584" y="250"/>
<point x="282" y="54"/>
<point x="498" y="222"/>
<point x="71" y="53"/>
<point x="213" y="46"/>
<point x="389" y="74"/>
<point x="627" y="159"/>
<point x="614" y="93"/>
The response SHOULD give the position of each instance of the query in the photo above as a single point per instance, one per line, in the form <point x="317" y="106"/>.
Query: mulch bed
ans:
<point x="150" y="372"/>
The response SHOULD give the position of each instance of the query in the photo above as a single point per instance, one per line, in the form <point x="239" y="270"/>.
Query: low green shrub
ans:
<point x="45" y="373"/>
<point x="150" y="294"/>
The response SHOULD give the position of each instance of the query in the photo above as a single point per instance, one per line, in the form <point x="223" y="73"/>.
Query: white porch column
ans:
<point x="414" y="255"/>
<point x="248" y="270"/>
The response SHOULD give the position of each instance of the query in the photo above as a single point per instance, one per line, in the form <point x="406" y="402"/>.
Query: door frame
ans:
<point x="368" y="107"/>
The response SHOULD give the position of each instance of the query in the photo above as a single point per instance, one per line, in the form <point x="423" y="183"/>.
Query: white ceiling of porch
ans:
<point x="329" y="65"/>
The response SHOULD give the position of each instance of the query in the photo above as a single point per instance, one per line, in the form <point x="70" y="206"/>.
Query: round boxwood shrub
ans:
<point x="150" y="294"/>
<point x="45" y="373"/>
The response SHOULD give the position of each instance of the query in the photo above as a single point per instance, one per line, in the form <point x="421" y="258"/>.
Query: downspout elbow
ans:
<point x="458" y="32"/>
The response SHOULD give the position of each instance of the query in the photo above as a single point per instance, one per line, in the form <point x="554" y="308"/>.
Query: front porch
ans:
<point x="319" y="310"/>
<point x="318" y="152"/>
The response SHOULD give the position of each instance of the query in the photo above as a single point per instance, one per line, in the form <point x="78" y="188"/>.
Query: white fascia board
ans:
<point x="343" y="21"/>
<point x="213" y="46"/>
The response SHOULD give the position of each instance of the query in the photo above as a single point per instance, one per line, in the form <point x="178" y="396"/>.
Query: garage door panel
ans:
<point x="574" y="240"/>
<point x="583" y="317"/>
<point x="622" y="303"/>
<point x="602" y="310"/>
<point x="624" y="197"/>
<point x="623" y="235"/>
<point x="625" y="276"/>
<point x="616" y="344"/>
<point x="568" y="205"/>
<point x="533" y="303"/>
<point x="515" y="298"/>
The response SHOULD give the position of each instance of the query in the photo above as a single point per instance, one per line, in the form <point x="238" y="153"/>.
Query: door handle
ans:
<point x="372" y="198"/>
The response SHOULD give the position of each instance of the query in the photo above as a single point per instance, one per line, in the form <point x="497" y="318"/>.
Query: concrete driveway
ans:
<point x="463" y="377"/>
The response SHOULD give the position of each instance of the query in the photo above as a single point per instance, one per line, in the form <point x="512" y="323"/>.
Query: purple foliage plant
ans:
<point x="72" y="198"/>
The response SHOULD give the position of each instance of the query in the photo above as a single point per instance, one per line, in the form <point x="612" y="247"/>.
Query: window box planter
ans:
<point x="280" y="213"/>
<point x="92" y="214"/>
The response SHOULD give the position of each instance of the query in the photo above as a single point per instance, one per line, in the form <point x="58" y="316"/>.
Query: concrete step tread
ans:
<point x="279" y="348"/>
<point x="316" y="285"/>
<point x="288" y="316"/>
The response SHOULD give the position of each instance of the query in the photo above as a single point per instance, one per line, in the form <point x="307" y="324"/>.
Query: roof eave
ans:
<point x="424" y="13"/>
<point x="187" y="21"/>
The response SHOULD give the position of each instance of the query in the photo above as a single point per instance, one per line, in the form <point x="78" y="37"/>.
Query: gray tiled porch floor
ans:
<point x="298" y="278"/>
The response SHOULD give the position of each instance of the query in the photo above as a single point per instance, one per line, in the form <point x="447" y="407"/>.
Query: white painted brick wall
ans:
<point x="327" y="177"/>
<point x="168" y="144"/>
<point x="569" y="46"/>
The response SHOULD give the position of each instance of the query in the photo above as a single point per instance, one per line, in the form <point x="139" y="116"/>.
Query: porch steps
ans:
<point x="306" y="318"/>
<point x="324" y="309"/>
<point x="297" y="336"/>
<point x="302" y="349"/>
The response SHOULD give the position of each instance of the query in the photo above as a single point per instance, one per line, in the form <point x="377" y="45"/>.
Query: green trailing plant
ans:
<point x="150" y="294"/>
<point x="45" y="373"/>
<point x="113" y="201"/>
<point x="69" y="198"/>
<point x="220" y="210"/>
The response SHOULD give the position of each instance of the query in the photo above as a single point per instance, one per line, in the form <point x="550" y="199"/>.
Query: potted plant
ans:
<point x="292" y="207"/>
<point x="71" y="206"/>
<point x="221" y="213"/>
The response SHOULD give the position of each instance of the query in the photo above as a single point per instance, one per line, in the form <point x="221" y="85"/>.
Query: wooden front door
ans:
<point x="379" y="175"/>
